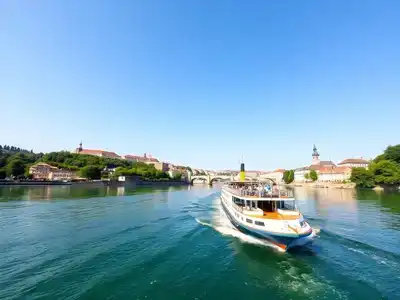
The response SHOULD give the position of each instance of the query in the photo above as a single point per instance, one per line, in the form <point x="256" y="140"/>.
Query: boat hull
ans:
<point x="282" y="241"/>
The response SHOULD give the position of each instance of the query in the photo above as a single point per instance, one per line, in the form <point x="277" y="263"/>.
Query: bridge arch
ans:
<point x="215" y="178"/>
<point x="201" y="177"/>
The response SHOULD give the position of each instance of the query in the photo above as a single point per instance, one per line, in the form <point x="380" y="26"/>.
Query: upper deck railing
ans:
<point x="261" y="192"/>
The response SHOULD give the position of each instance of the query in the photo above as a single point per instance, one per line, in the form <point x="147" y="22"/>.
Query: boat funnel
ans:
<point x="242" y="174"/>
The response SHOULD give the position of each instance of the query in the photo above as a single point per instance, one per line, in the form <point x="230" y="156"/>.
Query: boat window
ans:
<point x="266" y="206"/>
<point x="290" y="205"/>
<point x="259" y="223"/>
<point x="249" y="221"/>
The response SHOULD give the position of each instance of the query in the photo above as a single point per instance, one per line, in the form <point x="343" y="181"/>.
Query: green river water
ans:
<point x="176" y="243"/>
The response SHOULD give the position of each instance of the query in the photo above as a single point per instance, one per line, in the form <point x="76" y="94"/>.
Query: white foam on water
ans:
<point x="222" y="224"/>
<point x="203" y="223"/>
<point x="316" y="231"/>
<point x="356" y="250"/>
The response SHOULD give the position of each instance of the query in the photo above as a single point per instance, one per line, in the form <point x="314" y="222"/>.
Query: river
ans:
<point x="175" y="243"/>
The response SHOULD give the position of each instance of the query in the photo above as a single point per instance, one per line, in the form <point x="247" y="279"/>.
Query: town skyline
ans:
<point x="156" y="158"/>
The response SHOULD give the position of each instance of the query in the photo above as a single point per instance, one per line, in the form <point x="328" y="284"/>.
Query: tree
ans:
<point x="285" y="176"/>
<point x="3" y="161"/>
<point x="392" y="153"/>
<point x="362" y="178"/>
<point x="15" y="168"/>
<point x="91" y="172"/>
<point x="3" y="174"/>
<point x="307" y="176"/>
<point x="386" y="172"/>
<point x="313" y="175"/>
<point x="288" y="176"/>
<point x="177" y="177"/>
<point x="291" y="177"/>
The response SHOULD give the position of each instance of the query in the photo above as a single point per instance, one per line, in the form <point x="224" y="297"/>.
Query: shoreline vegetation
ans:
<point x="15" y="163"/>
<point x="382" y="173"/>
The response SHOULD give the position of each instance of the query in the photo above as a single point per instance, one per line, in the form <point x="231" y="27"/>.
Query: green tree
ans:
<point x="313" y="175"/>
<point x="177" y="177"/>
<point x="362" y="178"/>
<point x="386" y="172"/>
<point x="392" y="153"/>
<point x="379" y="158"/>
<point x="307" y="176"/>
<point x="288" y="176"/>
<point x="291" y="176"/>
<point x="91" y="172"/>
<point x="3" y="174"/>
<point x="3" y="161"/>
<point x="15" y="167"/>
<point x="285" y="176"/>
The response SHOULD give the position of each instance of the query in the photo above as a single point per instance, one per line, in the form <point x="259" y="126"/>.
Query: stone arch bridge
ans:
<point x="209" y="179"/>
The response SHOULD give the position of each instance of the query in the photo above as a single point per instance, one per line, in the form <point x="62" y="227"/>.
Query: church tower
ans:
<point x="79" y="149"/>
<point x="315" y="156"/>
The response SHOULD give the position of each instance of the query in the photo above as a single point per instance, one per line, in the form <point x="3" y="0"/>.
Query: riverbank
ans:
<point x="32" y="183"/>
<point x="350" y="186"/>
<point x="325" y="185"/>
<point x="98" y="183"/>
<point x="132" y="181"/>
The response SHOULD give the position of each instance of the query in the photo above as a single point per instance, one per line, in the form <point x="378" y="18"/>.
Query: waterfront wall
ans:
<point x="322" y="185"/>
<point x="98" y="183"/>
<point x="33" y="183"/>
<point x="50" y="183"/>
<point x="132" y="181"/>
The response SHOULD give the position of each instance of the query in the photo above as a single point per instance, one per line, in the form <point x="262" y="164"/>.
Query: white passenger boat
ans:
<point x="262" y="209"/>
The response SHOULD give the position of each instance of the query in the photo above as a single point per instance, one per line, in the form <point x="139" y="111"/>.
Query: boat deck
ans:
<point x="278" y="216"/>
<point x="274" y="215"/>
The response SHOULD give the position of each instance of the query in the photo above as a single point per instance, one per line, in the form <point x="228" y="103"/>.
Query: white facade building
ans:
<point x="299" y="174"/>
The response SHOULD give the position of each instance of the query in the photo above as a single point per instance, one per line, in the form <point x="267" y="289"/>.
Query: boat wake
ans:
<point x="220" y="222"/>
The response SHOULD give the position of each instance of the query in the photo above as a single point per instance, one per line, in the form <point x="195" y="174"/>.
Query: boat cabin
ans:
<point x="263" y="199"/>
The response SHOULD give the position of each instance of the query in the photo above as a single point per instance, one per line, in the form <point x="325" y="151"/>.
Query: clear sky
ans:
<point x="202" y="83"/>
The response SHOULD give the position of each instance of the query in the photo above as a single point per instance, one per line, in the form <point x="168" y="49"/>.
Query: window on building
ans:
<point x="249" y="221"/>
<point x="259" y="223"/>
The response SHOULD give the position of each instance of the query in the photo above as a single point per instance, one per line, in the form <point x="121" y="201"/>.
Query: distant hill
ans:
<point x="13" y="149"/>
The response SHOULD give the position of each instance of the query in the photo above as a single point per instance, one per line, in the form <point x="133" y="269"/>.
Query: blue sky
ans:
<point x="202" y="83"/>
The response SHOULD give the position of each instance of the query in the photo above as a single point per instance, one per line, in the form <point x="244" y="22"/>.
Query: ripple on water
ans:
<point x="180" y="245"/>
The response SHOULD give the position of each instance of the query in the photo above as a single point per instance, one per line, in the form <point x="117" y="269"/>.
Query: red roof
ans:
<point x="353" y="161"/>
<point x="112" y="154"/>
<point x="98" y="152"/>
<point x="88" y="151"/>
<point x="141" y="158"/>
<point x="132" y="156"/>
<point x="336" y="170"/>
